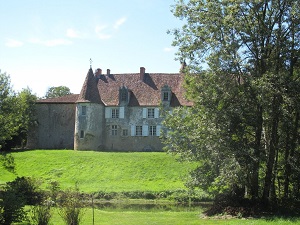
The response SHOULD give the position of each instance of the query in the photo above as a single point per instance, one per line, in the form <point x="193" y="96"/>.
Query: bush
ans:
<point x="41" y="214"/>
<point x="28" y="189"/>
<point x="11" y="206"/>
<point x="71" y="207"/>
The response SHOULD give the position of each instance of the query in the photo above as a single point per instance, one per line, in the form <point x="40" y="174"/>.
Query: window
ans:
<point x="152" y="130"/>
<point x="123" y="96"/>
<point x="150" y="113"/>
<point x="83" y="110"/>
<point x="125" y="132"/>
<point x="82" y="134"/>
<point x="114" y="113"/>
<point x="166" y="96"/>
<point x="114" y="130"/>
<point x="138" y="131"/>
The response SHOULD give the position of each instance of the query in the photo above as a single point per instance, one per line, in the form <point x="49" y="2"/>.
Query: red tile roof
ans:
<point x="89" y="91"/>
<point x="64" y="99"/>
<point x="146" y="92"/>
<point x="104" y="89"/>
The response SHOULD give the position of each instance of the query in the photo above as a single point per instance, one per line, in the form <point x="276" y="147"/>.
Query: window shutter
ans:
<point x="144" y="113"/>
<point x="145" y="130"/>
<point x="132" y="130"/>
<point x="156" y="113"/>
<point x="122" y="112"/>
<point x="158" y="127"/>
<point x="107" y="112"/>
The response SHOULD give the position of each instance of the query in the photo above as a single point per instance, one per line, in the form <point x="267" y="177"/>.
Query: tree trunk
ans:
<point x="257" y="148"/>
<point x="272" y="150"/>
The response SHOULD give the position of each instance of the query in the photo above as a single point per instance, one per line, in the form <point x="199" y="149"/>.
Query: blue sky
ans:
<point x="49" y="43"/>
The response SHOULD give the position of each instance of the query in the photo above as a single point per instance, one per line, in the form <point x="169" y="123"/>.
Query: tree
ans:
<point x="54" y="92"/>
<point x="25" y="104"/>
<point x="244" y="126"/>
<point x="16" y="111"/>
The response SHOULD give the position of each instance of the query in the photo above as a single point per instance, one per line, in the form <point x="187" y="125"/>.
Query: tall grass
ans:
<point x="101" y="171"/>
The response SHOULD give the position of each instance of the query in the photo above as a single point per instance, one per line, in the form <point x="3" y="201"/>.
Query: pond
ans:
<point x="150" y="206"/>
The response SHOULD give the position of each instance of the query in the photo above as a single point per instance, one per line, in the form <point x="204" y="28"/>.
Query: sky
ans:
<point x="49" y="43"/>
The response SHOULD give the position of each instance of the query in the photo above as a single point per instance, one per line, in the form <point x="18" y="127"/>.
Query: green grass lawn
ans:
<point x="116" y="217"/>
<point x="101" y="171"/>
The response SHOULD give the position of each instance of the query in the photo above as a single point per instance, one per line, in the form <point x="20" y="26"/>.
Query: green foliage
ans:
<point x="11" y="205"/>
<point x="71" y="207"/>
<point x="54" y="92"/>
<point x="41" y="214"/>
<point x="8" y="162"/>
<point x="244" y="124"/>
<point x="16" y="111"/>
<point x="28" y="189"/>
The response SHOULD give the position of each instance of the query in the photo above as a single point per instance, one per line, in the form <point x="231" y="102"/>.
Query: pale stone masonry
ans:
<point x="113" y="112"/>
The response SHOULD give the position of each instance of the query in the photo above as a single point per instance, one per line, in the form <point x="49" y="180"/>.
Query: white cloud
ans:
<point x="52" y="42"/>
<point x="13" y="43"/>
<point x="100" y="32"/>
<point x="71" y="33"/>
<point x="119" y="22"/>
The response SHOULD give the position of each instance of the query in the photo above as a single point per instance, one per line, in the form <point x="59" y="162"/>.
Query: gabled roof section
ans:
<point x="89" y="91"/>
<point x="67" y="99"/>
<point x="143" y="92"/>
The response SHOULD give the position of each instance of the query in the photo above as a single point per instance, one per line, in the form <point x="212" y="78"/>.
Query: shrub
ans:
<point x="71" y="207"/>
<point x="11" y="206"/>
<point x="28" y="189"/>
<point x="41" y="214"/>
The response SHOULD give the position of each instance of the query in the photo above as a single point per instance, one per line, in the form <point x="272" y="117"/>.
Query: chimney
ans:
<point x="142" y="73"/>
<point x="108" y="72"/>
<point x="98" y="72"/>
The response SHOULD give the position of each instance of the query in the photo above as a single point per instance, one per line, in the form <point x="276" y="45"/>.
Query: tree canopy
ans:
<point x="16" y="111"/>
<point x="242" y="75"/>
<point x="54" y="92"/>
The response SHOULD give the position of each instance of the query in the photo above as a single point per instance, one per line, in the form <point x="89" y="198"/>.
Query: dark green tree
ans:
<point x="244" y="125"/>
<point x="16" y="114"/>
<point x="8" y="108"/>
<point x="54" y="92"/>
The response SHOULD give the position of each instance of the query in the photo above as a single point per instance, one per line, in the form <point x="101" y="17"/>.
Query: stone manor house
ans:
<point x="113" y="112"/>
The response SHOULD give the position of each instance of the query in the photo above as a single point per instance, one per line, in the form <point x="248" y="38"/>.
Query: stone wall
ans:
<point x="54" y="127"/>
<point x="133" y="116"/>
<point x="89" y="133"/>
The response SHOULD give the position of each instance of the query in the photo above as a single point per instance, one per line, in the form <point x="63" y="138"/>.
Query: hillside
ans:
<point x="101" y="171"/>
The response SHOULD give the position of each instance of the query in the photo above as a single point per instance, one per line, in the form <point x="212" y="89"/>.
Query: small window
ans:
<point x="83" y="110"/>
<point x="114" y="113"/>
<point x="150" y="113"/>
<point x="166" y="96"/>
<point x="138" y="131"/>
<point x="114" y="130"/>
<point x="125" y="132"/>
<point x="123" y="96"/>
<point x="82" y="134"/>
<point x="152" y="130"/>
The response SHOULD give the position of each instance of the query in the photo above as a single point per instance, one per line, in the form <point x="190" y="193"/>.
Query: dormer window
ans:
<point x="123" y="96"/>
<point x="166" y="93"/>
<point x="166" y="96"/>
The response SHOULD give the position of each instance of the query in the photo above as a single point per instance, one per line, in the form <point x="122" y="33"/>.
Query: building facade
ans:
<point x="113" y="112"/>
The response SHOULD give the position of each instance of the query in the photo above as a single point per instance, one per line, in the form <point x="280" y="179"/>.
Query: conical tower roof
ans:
<point x="89" y="91"/>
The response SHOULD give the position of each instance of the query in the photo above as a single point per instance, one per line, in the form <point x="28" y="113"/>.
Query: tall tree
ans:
<point x="54" y="92"/>
<point x="245" y="118"/>
<point x="16" y="111"/>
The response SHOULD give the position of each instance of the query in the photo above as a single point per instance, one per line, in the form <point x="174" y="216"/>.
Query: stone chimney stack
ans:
<point x="108" y="72"/>
<point x="142" y="73"/>
<point x="98" y="72"/>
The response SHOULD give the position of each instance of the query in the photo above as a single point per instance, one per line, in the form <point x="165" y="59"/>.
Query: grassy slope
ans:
<point x="94" y="171"/>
